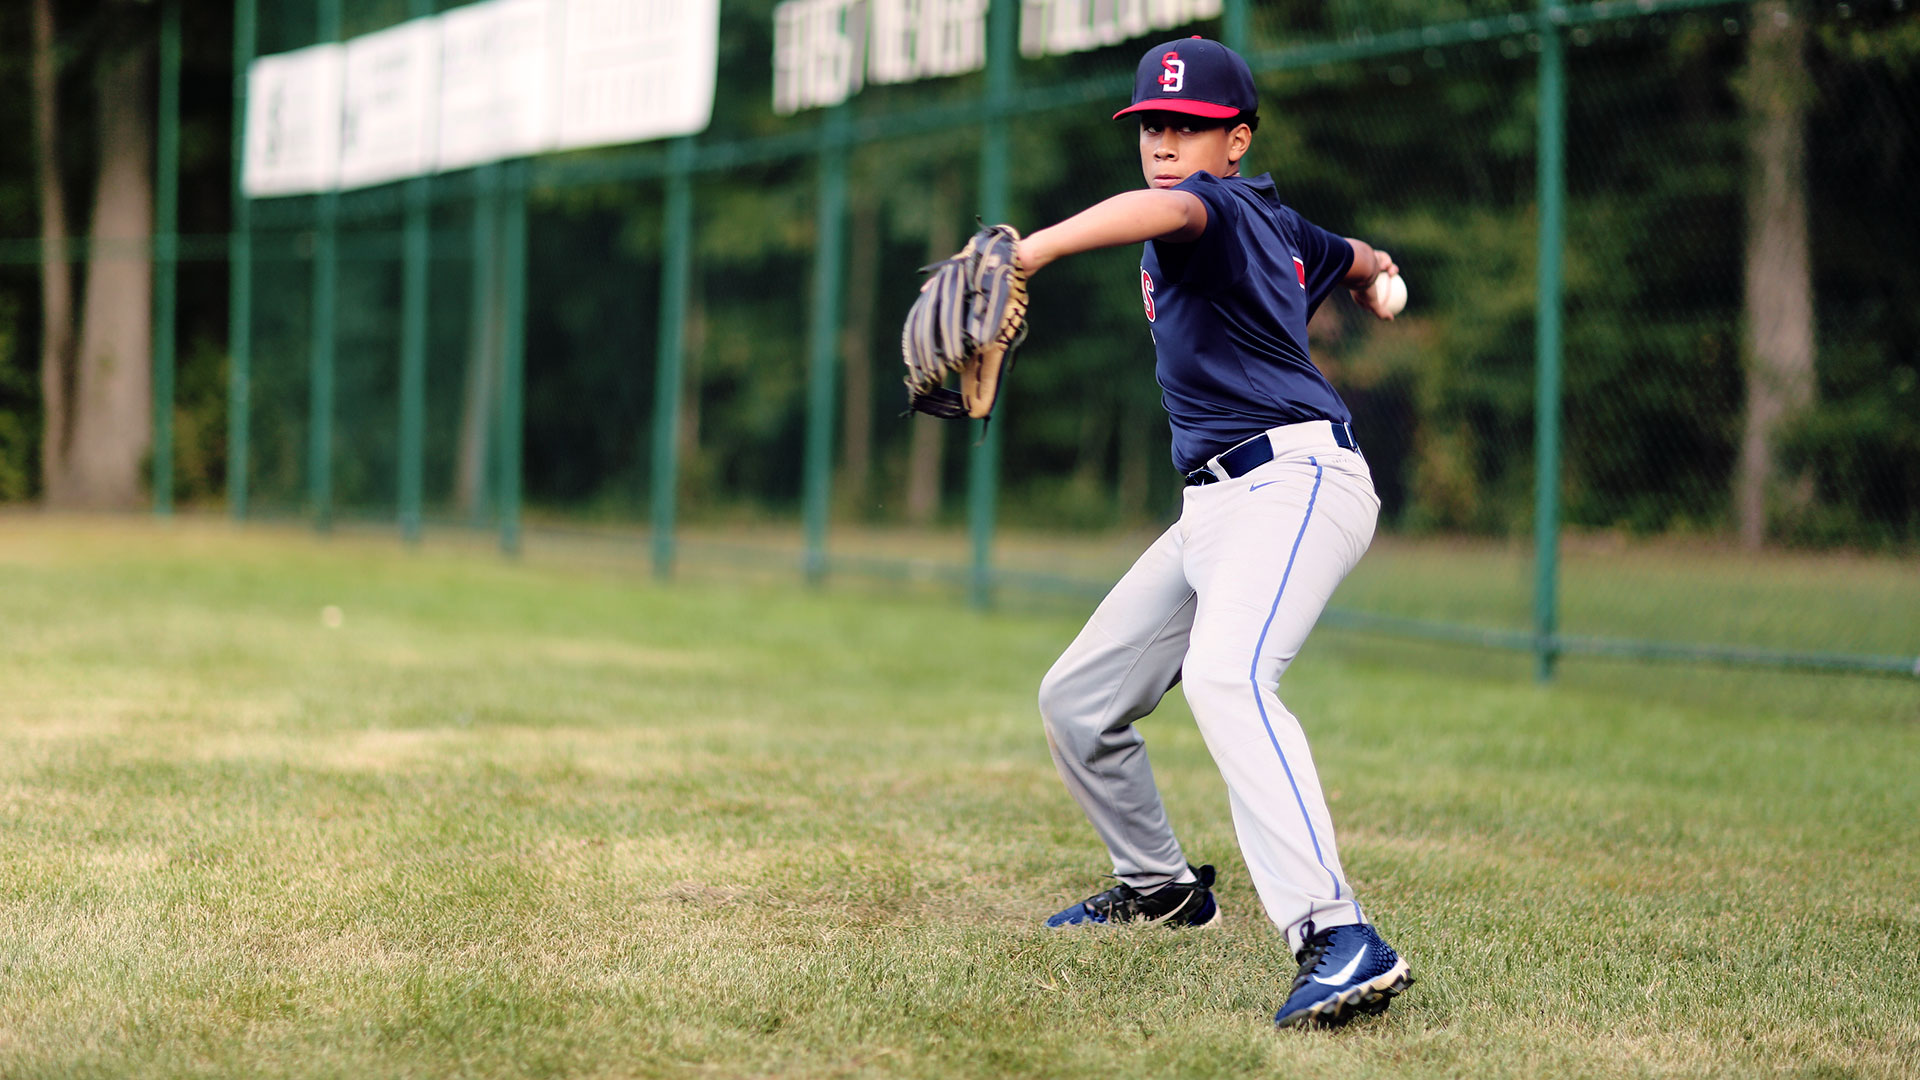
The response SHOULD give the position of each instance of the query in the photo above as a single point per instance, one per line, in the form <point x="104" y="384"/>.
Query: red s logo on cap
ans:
<point x="1175" y="75"/>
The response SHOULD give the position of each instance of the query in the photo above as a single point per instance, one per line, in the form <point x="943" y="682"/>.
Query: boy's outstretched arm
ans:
<point x="1131" y="217"/>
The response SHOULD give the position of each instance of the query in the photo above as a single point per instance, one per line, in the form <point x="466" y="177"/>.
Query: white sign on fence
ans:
<point x="819" y="49"/>
<point x="825" y="51"/>
<point x="636" y="69"/>
<point x="293" y="123"/>
<point x="390" y="107"/>
<point x="479" y="83"/>
<point x="496" y="85"/>
<point x="1053" y="27"/>
<point x="923" y="39"/>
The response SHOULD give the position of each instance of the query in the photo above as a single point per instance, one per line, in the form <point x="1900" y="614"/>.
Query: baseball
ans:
<point x="1391" y="290"/>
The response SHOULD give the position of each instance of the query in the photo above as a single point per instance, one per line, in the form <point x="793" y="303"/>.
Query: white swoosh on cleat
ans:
<point x="1344" y="973"/>
<point x="1175" y="911"/>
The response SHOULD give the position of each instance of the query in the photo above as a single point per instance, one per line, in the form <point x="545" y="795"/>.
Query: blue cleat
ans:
<point x="1345" y="971"/>
<point x="1179" y="904"/>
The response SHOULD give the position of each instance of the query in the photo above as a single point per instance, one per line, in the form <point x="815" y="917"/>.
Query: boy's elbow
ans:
<point x="1188" y="217"/>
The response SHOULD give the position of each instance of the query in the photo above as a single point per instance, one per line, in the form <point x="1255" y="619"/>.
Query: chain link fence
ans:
<point x="1736" y="350"/>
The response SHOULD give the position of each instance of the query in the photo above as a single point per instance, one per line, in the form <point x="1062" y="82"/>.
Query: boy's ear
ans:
<point x="1239" y="140"/>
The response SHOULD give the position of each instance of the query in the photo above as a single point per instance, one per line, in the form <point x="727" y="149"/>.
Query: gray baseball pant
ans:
<point x="1222" y="603"/>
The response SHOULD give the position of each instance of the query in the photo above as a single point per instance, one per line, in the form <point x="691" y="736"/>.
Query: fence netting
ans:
<point x="1695" y="139"/>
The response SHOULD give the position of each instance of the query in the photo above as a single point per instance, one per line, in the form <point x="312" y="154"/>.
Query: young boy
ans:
<point x="1280" y="505"/>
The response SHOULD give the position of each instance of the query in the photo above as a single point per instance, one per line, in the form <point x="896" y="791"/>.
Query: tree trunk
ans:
<point x="856" y="353"/>
<point x="923" y="456"/>
<point x="113" y="380"/>
<point x="56" y="273"/>
<point x="1779" y="282"/>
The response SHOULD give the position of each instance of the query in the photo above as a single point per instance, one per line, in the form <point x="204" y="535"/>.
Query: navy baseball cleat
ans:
<point x="1188" y="903"/>
<point x="1345" y="971"/>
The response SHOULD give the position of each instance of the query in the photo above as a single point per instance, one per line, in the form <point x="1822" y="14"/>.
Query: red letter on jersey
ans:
<point x="1146" y="293"/>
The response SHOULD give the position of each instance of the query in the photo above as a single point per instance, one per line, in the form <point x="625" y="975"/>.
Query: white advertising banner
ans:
<point x="924" y="39"/>
<point x="636" y="69"/>
<point x="496" y="81"/>
<point x="479" y="83"/>
<point x="391" y="104"/>
<point x="1053" y="27"/>
<point x="819" y="53"/>
<point x="292" y="141"/>
<point x="825" y="51"/>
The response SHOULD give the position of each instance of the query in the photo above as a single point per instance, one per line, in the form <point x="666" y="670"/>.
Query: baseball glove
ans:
<point x="970" y="317"/>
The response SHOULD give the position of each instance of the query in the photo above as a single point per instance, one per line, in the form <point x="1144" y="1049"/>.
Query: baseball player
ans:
<point x="1279" y="507"/>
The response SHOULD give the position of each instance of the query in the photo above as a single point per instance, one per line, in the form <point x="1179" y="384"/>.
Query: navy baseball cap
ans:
<point x="1194" y="76"/>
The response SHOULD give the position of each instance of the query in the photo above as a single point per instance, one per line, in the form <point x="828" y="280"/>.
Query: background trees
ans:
<point x="1741" y="344"/>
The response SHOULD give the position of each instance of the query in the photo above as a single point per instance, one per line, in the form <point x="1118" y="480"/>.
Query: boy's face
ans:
<point x="1174" y="146"/>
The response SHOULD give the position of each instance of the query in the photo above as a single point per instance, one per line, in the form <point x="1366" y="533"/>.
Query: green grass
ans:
<point x="554" y="819"/>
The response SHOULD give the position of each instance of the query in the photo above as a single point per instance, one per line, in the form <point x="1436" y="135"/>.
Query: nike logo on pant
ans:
<point x="1264" y="483"/>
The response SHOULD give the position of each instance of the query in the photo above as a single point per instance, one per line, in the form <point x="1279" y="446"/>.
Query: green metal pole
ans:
<point x="513" y="352"/>
<point x="326" y="274"/>
<point x="1546" y="401"/>
<point x="413" y="357"/>
<point x="413" y="342"/>
<point x="983" y="472"/>
<point x="829" y="257"/>
<point x="166" y="255"/>
<point x="676" y="256"/>
<point x="1233" y="25"/>
<point x="239" y="274"/>
<point x="483" y="325"/>
<point x="326" y="280"/>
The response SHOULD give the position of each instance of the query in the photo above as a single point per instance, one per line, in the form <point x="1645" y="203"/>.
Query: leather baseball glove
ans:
<point x="970" y="317"/>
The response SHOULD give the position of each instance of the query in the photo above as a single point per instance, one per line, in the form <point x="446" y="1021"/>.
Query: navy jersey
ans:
<point x="1229" y="317"/>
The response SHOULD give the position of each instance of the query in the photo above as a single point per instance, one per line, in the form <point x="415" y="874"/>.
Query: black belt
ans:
<point x="1257" y="451"/>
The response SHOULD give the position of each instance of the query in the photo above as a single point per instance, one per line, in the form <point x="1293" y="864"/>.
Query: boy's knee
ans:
<point x="1067" y="714"/>
<point x="1055" y="702"/>
<point x="1211" y="680"/>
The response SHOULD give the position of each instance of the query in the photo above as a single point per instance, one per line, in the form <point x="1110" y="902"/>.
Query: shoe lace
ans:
<point x="1314" y="944"/>
<point x="1113" y="898"/>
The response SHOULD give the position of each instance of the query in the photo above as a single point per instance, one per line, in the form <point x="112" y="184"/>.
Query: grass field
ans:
<point x="552" y="819"/>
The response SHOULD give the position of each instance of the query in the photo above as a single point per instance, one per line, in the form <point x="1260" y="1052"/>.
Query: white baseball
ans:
<point x="1391" y="290"/>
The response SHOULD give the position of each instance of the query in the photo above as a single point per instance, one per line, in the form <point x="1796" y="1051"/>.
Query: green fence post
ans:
<point x="239" y="273"/>
<point x="326" y="274"/>
<point x="513" y="352"/>
<point x="413" y="357"/>
<point x="983" y="472"/>
<point x="415" y="252"/>
<point x="676" y="256"/>
<point x="166" y="255"/>
<point x="1233" y="25"/>
<point x="823" y="337"/>
<point x="1547" y="359"/>
<point x="483" y="332"/>
<point x="326" y="280"/>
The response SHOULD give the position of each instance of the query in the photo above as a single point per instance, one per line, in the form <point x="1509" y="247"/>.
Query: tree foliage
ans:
<point x="1428" y="153"/>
